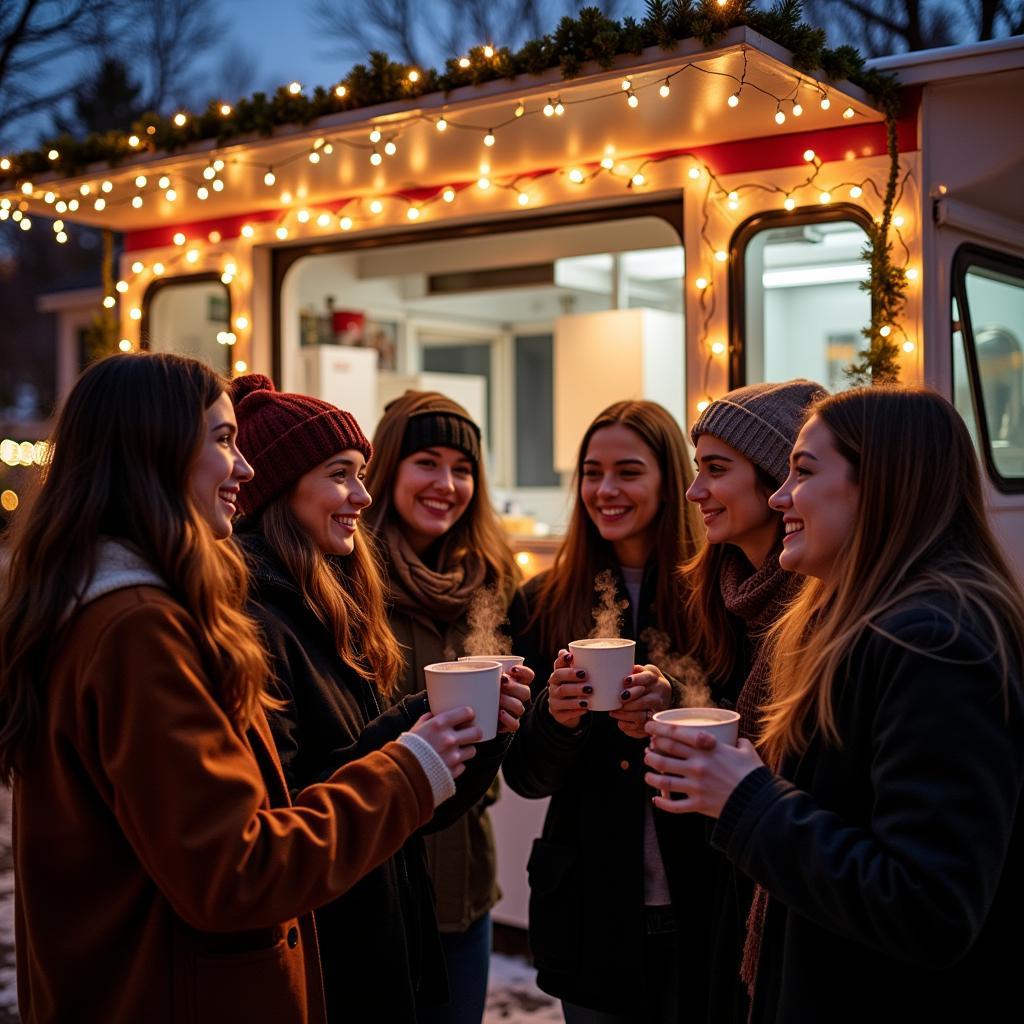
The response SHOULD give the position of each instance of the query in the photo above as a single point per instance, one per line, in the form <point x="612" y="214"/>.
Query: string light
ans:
<point x="164" y="181"/>
<point x="100" y="203"/>
<point x="217" y="185"/>
<point x="885" y="330"/>
<point x="375" y="136"/>
<point x="282" y="232"/>
<point x="376" y="206"/>
<point x="441" y="124"/>
<point x="700" y="283"/>
<point x="53" y="155"/>
<point x="694" y="173"/>
<point x="448" y="195"/>
<point x="702" y="405"/>
<point x="856" y="192"/>
<point x="295" y="88"/>
<point x="248" y="231"/>
<point x="109" y="302"/>
<point x="192" y="256"/>
<point x="607" y="163"/>
<point x="134" y="141"/>
<point x="121" y="286"/>
<point x="520" y="109"/>
<point x="201" y="193"/>
<point x="463" y="62"/>
<point x="323" y="220"/>
<point x="632" y="99"/>
<point x="314" y="157"/>
<point x="124" y="345"/>
<point x="848" y="113"/>
<point x="780" y="117"/>
<point x="345" y="223"/>
<point x="241" y="322"/>
<point x="665" y="89"/>
<point x="340" y="91"/>
<point x="488" y="52"/>
<point x="225" y="109"/>
<point x="721" y="255"/>
<point x="912" y="274"/>
<point x="734" y="100"/>
<point x="138" y="267"/>
<point x="414" y="76"/>
<point x="489" y="138"/>
<point x="483" y="183"/>
<point x="141" y="181"/>
<point x="376" y="159"/>
<point x="797" y="110"/>
<point x="825" y="197"/>
<point x="413" y="213"/>
<point x="390" y="148"/>
<point x="559" y="108"/>
<point x="135" y="313"/>
<point x="809" y="155"/>
<point x="83" y="190"/>
<point x="898" y="221"/>
<point x="626" y="85"/>
<point x="908" y="346"/>
<point x="523" y="199"/>
<point x="241" y="366"/>
<point x="180" y="119"/>
<point x="302" y="216"/>
<point x="269" y="178"/>
<point x="734" y="200"/>
<point x="137" y="202"/>
<point x="158" y="269"/>
<point x="718" y="348"/>
<point x="549" y="109"/>
<point x="638" y="179"/>
<point x="179" y="238"/>
<point x="825" y="102"/>
<point x="576" y="176"/>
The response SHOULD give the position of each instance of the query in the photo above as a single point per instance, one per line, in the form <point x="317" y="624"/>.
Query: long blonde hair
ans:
<point x="566" y="597"/>
<point x="345" y="594"/>
<point x="918" y="533"/>
<point x="122" y="454"/>
<point x="477" y="530"/>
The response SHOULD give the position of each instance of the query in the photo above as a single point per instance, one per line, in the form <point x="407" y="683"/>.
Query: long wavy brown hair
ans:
<point x="120" y="464"/>
<point x="717" y="636"/>
<point x="478" y="530"/>
<point x="345" y="594"/>
<point x="918" y="534"/>
<point x="564" y="603"/>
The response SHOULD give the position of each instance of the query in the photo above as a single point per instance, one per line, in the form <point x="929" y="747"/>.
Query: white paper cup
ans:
<point x="721" y="723"/>
<point x="475" y="684"/>
<point x="506" y="661"/>
<point x="607" y="661"/>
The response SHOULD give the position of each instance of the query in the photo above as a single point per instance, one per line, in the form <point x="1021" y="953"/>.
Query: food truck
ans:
<point x="666" y="225"/>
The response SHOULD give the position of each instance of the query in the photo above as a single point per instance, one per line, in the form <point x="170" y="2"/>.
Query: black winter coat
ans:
<point x="895" y="860"/>
<point x="379" y="943"/>
<point x="586" y="872"/>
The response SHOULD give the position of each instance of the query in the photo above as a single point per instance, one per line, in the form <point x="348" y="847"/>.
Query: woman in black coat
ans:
<point x="318" y="598"/>
<point x="606" y="878"/>
<point x="884" y="830"/>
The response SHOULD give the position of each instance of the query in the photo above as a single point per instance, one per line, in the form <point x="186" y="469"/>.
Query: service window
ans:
<point x="190" y="317"/>
<point x="798" y="305"/>
<point x="489" y="319"/>
<point x="988" y="358"/>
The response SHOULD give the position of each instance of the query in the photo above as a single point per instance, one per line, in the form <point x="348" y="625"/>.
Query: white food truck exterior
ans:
<point x="688" y="221"/>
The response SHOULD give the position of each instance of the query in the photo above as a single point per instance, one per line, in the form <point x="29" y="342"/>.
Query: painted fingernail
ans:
<point x="583" y="704"/>
<point x="624" y="695"/>
<point x="588" y="688"/>
<point x="628" y="680"/>
<point x="580" y="674"/>
<point x="515" y="671"/>
<point x="567" y="655"/>
<point x="505" y="678"/>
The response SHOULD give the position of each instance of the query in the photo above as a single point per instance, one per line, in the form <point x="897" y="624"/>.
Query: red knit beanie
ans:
<point x="283" y="436"/>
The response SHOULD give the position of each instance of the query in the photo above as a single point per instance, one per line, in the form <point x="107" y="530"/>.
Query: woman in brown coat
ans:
<point x="162" y="872"/>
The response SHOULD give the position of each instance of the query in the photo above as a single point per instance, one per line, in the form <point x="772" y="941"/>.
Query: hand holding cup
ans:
<point x="568" y="692"/>
<point x="644" y="691"/>
<point x="691" y="761"/>
<point x="452" y="734"/>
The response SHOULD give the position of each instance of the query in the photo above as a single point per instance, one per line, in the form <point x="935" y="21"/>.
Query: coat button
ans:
<point x="293" y="937"/>
<point x="624" y="765"/>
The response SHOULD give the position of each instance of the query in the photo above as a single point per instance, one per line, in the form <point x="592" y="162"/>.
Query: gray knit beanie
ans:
<point x="761" y="421"/>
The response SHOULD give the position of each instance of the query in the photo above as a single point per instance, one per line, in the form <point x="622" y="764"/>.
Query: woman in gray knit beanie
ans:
<point x="735" y="592"/>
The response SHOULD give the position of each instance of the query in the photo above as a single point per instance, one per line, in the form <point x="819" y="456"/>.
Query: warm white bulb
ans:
<point x="702" y="405"/>
<point x="721" y="255"/>
<point x="376" y="206"/>
<point x="523" y="199"/>
<point x="135" y="313"/>
<point x="170" y="195"/>
<point x="718" y="348"/>
<point x="441" y="125"/>
<point x="121" y="286"/>
<point x="53" y="155"/>
<point x="225" y="109"/>
<point x="414" y="76"/>
<point x="576" y="175"/>
<point x="733" y="197"/>
<point x="141" y="181"/>
<point x="109" y="301"/>
<point x="345" y="223"/>
<point x="192" y="256"/>
<point x="226" y="279"/>
<point x="848" y="113"/>
<point x="483" y="183"/>
<point x="694" y="173"/>
<point x="701" y="283"/>
<point x="138" y="267"/>
<point x="314" y="157"/>
<point x="340" y="91"/>
<point x="295" y="88"/>
<point x="323" y="220"/>
<point x="825" y="103"/>
<point x="856" y="192"/>
<point x="898" y="221"/>
<point x="107" y="186"/>
<point x="825" y="197"/>
<point x="559" y="108"/>
<point x="809" y="155"/>
<point x="158" y="269"/>
<point x="912" y="274"/>
<point x="25" y="224"/>
<point x="100" y="203"/>
<point x="248" y="231"/>
<point x="179" y="238"/>
<point x="241" y="366"/>
<point x="375" y="135"/>
<point x="269" y="178"/>
<point x="282" y="232"/>
<point x="164" y="181"/>
<point x="626" y="85"/>
<point x="83" y="190"/>
<point x="376" y="159"/>
<point x="448" y="195"/>
<point x="797" y="110"/>
<point x="463" y="62"/>
<point x="489" y="139"/>
<point x="548" y="109"/>
<point x="607" y="163"/>
<point x="180" y="119"/>
<point x="202" y="192"/>
<point x="390" y="148"/>
<point x="209" y="173"/>
<point x="302" y="216"/>
<point x="520" y="110"/>
<point x="488" y="51"/>
<point x="908" y="346"/>
<point x="780" y="117"/>
<point x="413" y="213"/>
<point x="638" y="179"/>
<point x="664" y="90"/>
<point x="124" y="345"/>
<point x="133" y="141"/>
<point x="137" y="202"/>
<point x="734" y="100"/>
<point x="61" y="206"/>
<point x="885" y="331"/>
<point x="633" y="101"/>
<point x="218" y="165"/>
<point x="217" y="184"/>
<point x="73" y="205"/>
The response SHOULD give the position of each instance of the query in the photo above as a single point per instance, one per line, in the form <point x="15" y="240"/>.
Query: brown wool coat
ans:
<point x="162" y="874"/>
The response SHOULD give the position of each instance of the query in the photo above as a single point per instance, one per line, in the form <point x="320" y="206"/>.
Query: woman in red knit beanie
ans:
<point x="319" y="598"/>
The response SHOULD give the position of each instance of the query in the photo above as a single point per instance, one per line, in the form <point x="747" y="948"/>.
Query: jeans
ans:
<point x="468" y="957"/>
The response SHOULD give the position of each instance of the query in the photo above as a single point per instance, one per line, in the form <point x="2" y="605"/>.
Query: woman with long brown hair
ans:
<point x="451" y="580"/>
<point x="318" y="596"/>
<point x="884" y="829"/>
<point x="605" y="876"/>
<point x="163" y="874"/>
